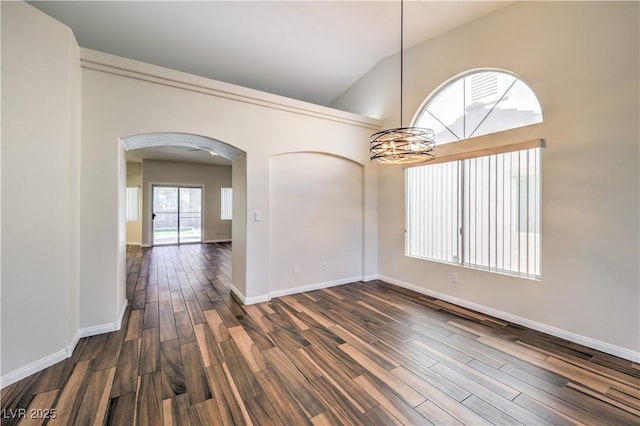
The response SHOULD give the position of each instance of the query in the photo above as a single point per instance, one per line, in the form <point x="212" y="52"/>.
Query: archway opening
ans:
<point x="183" y="159"/>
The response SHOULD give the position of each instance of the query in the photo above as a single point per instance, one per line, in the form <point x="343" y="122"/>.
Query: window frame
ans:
<point x="454" y="79"/>
<point x="482" y="145"/>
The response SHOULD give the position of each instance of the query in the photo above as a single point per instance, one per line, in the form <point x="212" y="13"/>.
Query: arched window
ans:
<point x="478" y="208"/>
<point x="479" y="103"/>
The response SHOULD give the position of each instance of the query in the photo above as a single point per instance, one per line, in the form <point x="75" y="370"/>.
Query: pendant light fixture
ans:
<point x="402" y="145"/>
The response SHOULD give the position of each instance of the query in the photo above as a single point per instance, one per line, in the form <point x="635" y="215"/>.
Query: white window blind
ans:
<point x="226" y="203"/>
<point x="133" y="205"/>
<point x="482" y="212"/>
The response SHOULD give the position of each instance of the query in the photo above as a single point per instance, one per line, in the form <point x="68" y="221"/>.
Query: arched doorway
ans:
<point x="163" y="142"/>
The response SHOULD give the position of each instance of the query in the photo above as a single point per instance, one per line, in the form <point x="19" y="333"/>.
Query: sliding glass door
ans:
<point x="177" y="215"/>
<point x="190" y="215"/>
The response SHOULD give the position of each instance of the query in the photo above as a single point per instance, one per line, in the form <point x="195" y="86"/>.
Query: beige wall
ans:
<point x="40" y="190"/>
<point x="210" y="177"/>
<point x="152" y="99"/>
<point x="316" y="212"/>
<point x="581" y="59"/>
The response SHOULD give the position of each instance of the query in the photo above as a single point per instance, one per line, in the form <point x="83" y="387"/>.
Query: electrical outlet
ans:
<point x="454" y="277"/>
<point x="324" y="266"/>
<point x="296" y="268"/>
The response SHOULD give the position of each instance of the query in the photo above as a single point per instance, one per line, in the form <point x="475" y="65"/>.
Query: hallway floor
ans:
<point x="362" y="353"/>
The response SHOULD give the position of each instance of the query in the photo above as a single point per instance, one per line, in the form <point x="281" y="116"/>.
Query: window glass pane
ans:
<point x="516" y="109"/>
<point x="133" y="204"/>
<point x="478" y="104"/>
<point x="492" y="201"/>
<point x="444" y="113"/>
<point x="226" y="203"/>
<point x="432" y="212"/>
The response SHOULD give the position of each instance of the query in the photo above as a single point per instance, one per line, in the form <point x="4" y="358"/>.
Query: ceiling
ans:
<point x="307" y="50"/>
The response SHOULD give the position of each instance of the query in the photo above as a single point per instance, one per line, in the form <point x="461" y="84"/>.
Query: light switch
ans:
<point x="257" y="216"/>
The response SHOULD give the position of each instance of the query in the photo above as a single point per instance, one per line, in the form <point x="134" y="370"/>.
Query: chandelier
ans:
<point x="402" y="145"/>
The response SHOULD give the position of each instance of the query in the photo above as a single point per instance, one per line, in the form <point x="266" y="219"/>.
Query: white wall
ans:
<point x="134" y="180"/>
<point x="40" y="190"/>
<point x="316" y="213"/>
<point x="123" y="98"/>
<point x="581" y="59"/>
<point x="211" y="177"/>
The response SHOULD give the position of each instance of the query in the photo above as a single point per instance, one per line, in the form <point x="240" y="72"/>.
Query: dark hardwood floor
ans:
<point x="362" y="353"/>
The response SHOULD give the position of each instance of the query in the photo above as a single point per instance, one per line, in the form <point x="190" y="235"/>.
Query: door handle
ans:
<point x="153" y="216"/>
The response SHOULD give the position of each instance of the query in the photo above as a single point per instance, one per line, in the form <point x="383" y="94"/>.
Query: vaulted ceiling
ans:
<point x="307" y="50"/>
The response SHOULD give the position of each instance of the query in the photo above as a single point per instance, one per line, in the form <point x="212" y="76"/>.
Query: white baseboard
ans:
<point x="105" y="328"/>
<point x="134" y="243"/>
<point x="367" y="278"/>
<point x="224" y="240"/>
<point x="548" y="329"/>
<point x="145" y="245"/>
<point x="278" y="293"/>
<point x="33" y="368"/>
<point x="317" y="286"/>
<point x="73" y="344"/>
<point x="62" y="354"/>
<point x="248" y="300"/>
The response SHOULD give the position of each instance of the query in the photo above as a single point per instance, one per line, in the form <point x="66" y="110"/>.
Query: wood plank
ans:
<point x="437" y="415"/>
<point x="209" y="350"/>
<point x="293" y="379"/>
<point x="134" y="327"/>
<point x="379" y="415"/>
<point x="251" y="354"/>
<point x="184" y="327"/>
<point x="195" y="313"/>
<point x="111" y="350"/>
<point x="216" y="325"/>
<point x="408" y="394"/>
<point x="335" y="401"/>
<point x="167" y="326"/>
<point x="236" y="394"/>
<point x="439" y="398"/>
<point x="326" y="418"/>
<point x="205" y="413"/>
<point x="183" y="411"/>
<point x="149" y="400"/>
<point x="177" y="301"/>
<point x="164" y="299"/>
<point x="243" y="377"/>
<point x="93" y="408"/>
<point x="289" y="343"/>
<point x="549" y="414"/>
<point x="151" y="317"/>
<point x="68" y="404"/>
<point x="139" y="300"/>
<point x="149" y="351"/>
<point x="194" y="374"/>
<point x="606" y="399"/>
<point x="489" y="412"/>
<point x="171" y="366"/>
<point x="40" y="409"/>
<point x="122" y="410"/>
<point x="168" y="412"/>
<point x="126" y="373"/>
<point x="398" y="407"/>
<point x="230" y="408"/>
<point x="340" y="381"/>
